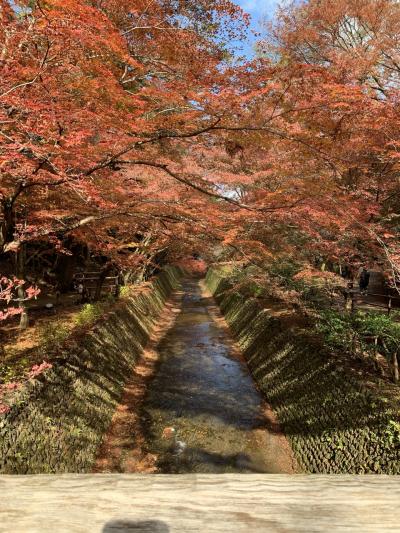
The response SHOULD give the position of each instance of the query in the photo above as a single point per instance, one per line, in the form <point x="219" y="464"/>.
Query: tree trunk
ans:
<point x="21" y="257"/>
<point x="7" y="225"/>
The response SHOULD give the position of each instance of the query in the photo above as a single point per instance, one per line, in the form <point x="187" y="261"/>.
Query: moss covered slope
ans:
<point x="56" y="423"/>
<point x="335" y="421"/>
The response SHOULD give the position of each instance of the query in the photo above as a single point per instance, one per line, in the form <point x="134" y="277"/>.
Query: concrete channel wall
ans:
<point x="57" y="421"/>
<point x="337" y="421"/>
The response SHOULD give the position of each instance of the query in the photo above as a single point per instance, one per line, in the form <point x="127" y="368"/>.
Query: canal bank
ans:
<point x="201" y="411"/>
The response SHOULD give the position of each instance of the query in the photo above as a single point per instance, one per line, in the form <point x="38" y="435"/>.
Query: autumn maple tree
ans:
<point x="88" y="92"/>
<point x="337" y="136"/>
<point x="129" y="127"/>
<point x="315" y="136"/>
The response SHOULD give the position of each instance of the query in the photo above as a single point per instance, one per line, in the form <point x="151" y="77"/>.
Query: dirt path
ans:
<point x="192" y="378"/>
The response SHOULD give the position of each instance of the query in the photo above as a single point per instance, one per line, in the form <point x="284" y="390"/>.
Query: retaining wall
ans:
<point x="57" y="421"/>
<point x="336" y="420"/>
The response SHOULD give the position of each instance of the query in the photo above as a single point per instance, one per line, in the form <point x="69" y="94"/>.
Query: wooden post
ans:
<point x="100" y="281"/>
<point x="118" y="280"/>
<point x="353" y="301"/>
<point x="389" y="305"/>
<point x="347" y="301"/>
<point x="395" y="367"/>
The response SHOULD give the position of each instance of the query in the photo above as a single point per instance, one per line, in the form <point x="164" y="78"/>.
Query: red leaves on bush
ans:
<point x="36" y="370"/>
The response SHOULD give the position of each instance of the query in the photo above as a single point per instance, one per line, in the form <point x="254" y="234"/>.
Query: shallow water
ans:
<point x="204" y="391"/>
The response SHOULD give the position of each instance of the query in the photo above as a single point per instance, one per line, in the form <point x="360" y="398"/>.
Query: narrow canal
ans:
<point x="191" y="405"/>
<point x="202" y="411"/>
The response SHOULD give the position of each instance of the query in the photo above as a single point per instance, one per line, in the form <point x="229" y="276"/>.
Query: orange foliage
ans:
<point x="123" y="117"/>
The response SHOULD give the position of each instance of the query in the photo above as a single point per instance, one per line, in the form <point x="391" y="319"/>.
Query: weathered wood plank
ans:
<point x="194" y="503"/>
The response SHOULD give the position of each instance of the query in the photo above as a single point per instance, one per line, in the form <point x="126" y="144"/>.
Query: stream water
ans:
<point x="204" y="391"/>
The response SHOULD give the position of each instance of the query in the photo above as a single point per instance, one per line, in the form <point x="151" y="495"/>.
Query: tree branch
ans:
<point x="205" y="191"/>
<point x="112" y="159"/>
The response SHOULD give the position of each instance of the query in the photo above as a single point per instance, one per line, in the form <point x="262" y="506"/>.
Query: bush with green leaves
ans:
<point x="345" y="330"/>
<point x="10" y="372"/>
<point x="125" y="291"/>
<point x="256" y="282"/>
<point x="89" y="314"/>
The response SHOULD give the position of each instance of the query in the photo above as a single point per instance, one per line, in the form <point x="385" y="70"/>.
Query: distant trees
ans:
<point x="340" y="60"/>
<point x="320" y="133"/>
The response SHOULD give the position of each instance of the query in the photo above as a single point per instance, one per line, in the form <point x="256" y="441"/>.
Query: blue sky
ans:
<point x="258" y="9"/>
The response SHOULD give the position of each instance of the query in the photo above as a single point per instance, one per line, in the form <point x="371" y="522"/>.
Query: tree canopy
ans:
<point x="129" y="122"/>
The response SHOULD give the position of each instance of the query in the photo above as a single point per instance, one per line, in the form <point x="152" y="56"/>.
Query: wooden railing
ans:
<point x="230" y="503"/>
<point x="91" y="285"/>
<point x="387" y="302"/>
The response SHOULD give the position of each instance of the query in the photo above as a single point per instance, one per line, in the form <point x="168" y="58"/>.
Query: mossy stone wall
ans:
<point x="336" y="422"/>
<point x="57" y="421"/>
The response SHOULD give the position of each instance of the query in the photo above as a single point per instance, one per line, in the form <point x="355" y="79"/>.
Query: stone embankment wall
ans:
<point x="337" y="421"/>
<point x="57" y="421"/>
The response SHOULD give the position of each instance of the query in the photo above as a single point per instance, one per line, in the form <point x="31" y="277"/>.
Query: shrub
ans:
<point x="345" y="331"/>
<point x="89" y="314"/>
<point x="125" y="291"/>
